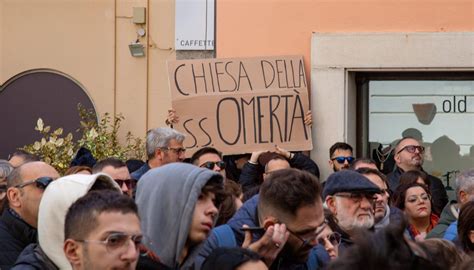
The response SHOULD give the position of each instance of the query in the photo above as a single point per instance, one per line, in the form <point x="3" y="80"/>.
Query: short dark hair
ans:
<point x="205" y="150"/>
<point x="114" y="162"/>
<point x="362" y="160"/>
<point x="401" y="192"/>
<point x="412" y="176"/>
<point x="216" y="186"/>
<point x="341" y="146"/>
<point x="465" y="226"/>
<point x="27" y="157"/>
<point x="287" y="190"/>
<point x="365" y="171"/>
<point x="81" y="218"/>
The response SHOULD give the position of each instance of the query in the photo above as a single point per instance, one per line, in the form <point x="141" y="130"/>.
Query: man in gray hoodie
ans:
<point x="178" y="204"/>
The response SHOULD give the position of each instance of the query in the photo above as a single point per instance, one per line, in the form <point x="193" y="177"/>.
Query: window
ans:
<point x="436" y="108"/>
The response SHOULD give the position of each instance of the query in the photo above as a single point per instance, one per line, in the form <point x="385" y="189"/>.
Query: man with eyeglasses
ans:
<point x="340" y="156"/>
<point x="163" y="146"/>
<point x="350" y="196"/>
<point x="384" y="213"/>
<point x="118" y="170"/>
<point x="47" y="252"/>
<point x="409" y="156"/>
<point x="209" y="158"/>
<point x="281" y="224"/>
<point x="18" y="223"/>
<point x="111" y="237"/>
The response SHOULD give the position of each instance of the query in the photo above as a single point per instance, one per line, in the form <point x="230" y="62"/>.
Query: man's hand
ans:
<point x="172" y="118"/>
<point x="282" y="152"/>
<point x="308" y="119"/>
<point x="255" y="155"/>
<point x="270" y="244"/>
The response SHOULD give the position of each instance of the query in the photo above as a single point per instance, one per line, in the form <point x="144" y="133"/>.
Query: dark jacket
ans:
<point x="141" y="171"/>
<point x="251" y="175"/>
<point x="438" y="192"/>
<point x="15" y="235"/>
<point x="34" y="258"/>
<point x="247" y="214"/>
<point x="448" y="216"/>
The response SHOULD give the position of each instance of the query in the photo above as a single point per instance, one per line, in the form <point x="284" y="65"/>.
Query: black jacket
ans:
<point x="438" y="192"/>
<point x="15" y="235"/>
<point x="34" y="258"/>
<point x="251" y="175"/>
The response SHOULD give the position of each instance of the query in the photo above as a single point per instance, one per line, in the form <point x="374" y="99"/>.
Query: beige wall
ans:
<point x="88" y="40"/>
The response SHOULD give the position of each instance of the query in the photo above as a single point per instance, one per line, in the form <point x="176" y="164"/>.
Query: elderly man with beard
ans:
<point x="350" y="196"/>
<point x="409" y="156"/>
<point x="384" y="214"/>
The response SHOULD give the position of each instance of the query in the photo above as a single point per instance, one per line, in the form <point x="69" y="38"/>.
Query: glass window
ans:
<point x="439" y="113"/>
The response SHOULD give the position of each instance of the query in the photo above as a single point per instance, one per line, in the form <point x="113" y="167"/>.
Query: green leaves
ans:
<point x="100" y="137"/>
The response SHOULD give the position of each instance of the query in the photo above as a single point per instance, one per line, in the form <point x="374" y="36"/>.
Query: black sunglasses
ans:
<point x="341" y="160"/>
<point x="41" y="182"/>
<point x="129" y="183"/>
<point x="210" y="165"/>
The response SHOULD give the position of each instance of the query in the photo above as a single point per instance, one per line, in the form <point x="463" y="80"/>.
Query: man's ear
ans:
<point x="13" y="195"/>
<point x="397" y="158"/>
<point x="331" y="204"/>
<point x="73" y="252"/>
<point x="158" y="153"/>
<point x="462" y="196"/>
<point x="268" y="221"/>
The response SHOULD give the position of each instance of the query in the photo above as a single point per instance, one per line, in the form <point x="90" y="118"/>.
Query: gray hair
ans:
<point x="465" y="182"/>
<point x="5" y="168"/>
<point x="161" y="137"/>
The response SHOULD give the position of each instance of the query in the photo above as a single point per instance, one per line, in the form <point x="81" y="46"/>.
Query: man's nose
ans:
<point x="124" y="187"/>
<point x="131" y="253"/>
<point x="366" y="203"/>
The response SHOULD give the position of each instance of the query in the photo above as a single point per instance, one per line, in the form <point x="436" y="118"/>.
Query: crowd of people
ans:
<point x="263" y="210"/>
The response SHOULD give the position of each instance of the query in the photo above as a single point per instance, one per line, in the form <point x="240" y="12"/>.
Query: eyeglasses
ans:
<point x="341" y="160"/>
<point x="357" y="197"/>
<point x="178" y="151"/>
<point x="307" y="242"/>
<point x="116" y="241"/>
<point x="334" y="238"/>
<point x="129" y="183"/>
<point x="414" y="198"/>
<point x="412" y="149"/>
<point x="41" y="182"/>
<point x="210" y="165"/>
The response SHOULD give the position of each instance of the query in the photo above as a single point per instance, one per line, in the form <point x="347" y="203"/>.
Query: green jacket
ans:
<point x="448" y="216"/>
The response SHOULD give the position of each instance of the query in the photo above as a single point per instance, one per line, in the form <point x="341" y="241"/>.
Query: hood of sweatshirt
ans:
<point x="166" y="198"/>
<point x="56" y="200"/>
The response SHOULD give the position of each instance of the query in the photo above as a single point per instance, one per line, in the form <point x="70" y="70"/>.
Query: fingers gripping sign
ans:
<point x="270" y="244"/>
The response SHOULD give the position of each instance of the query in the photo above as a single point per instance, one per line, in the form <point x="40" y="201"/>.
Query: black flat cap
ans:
<point x="348" y="181"/>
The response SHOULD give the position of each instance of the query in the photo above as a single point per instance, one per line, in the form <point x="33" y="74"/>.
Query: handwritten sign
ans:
<point x="241" y="105"/>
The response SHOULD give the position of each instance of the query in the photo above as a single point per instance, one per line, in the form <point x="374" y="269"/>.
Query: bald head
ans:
<point x="25" y="199"/>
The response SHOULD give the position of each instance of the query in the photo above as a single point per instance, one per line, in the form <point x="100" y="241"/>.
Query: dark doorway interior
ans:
<point x="33" y="94"/>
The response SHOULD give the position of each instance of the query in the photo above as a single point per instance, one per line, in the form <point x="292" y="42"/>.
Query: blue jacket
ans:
<point x="247" y="214"/>
<point x="451" y="232"/>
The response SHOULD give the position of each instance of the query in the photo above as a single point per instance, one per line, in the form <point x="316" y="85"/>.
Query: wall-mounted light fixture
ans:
<point x="139" y="17"/>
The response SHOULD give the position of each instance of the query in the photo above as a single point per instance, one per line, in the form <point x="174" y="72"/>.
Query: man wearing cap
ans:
<point x="350" y="197"/>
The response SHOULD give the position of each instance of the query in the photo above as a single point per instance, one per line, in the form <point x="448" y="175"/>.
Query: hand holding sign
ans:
<point x="238" y="105"/>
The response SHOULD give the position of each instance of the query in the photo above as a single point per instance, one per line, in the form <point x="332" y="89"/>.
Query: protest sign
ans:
<point x="241" y="105"/>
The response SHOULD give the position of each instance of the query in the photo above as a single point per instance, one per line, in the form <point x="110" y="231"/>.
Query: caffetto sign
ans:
<point x="243" y="104"/>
